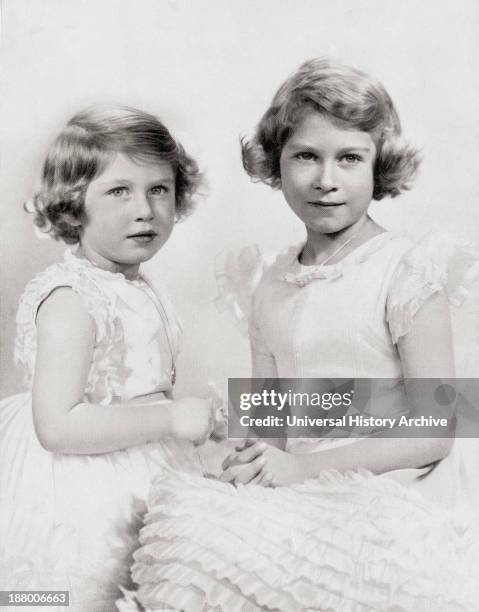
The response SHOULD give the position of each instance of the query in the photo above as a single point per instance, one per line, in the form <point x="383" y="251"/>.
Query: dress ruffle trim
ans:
<point x="348" y="543"/>
<point x="437" y="263"/>
<point x="239" y="274"/>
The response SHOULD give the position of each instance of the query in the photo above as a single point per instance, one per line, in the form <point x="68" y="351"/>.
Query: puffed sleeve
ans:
<point x="238" y="276"/>
<point x="438" y="263"/>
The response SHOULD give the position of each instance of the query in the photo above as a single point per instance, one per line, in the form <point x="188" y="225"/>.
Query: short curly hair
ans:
<point x="350" y="98"/>
<point x="83" y="149"/>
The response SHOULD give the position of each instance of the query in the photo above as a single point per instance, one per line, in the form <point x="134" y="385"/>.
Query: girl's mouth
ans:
<point x="326" y="204"/>
<point x="143" y="237"/>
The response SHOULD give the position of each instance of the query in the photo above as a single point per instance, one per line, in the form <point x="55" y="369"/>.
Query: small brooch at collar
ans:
<point x="304" y="277"/>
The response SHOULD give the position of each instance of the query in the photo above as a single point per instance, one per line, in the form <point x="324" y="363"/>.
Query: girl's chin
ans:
<point x="142" y="252"/>
<point x="136" y="260"/>
<point x="325" y="228"/>
<point x="335" y="226"/>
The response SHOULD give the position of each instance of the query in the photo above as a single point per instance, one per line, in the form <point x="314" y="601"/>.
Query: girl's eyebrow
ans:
<point x="311" y="147"/>
<point x="117" y="181"/>
<point x="113" y="182"/>
<point x="349" y="149"/>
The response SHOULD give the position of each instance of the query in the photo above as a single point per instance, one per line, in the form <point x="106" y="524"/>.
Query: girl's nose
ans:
<point x="325" y="179"/>
<point x="143" y="208"/>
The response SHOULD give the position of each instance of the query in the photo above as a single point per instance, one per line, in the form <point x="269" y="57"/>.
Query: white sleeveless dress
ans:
<point x="404" y="541"/>
<point x="70" y="522"/>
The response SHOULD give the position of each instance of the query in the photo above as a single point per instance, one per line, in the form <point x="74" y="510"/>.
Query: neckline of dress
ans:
<point x="73" y="258"/>
<point x="294" y="272"/>
<point x="359" y="253"/>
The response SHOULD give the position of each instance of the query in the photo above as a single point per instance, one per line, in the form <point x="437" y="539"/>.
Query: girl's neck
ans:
<point x="321" y="247"/>
<point x="129" y="271"/>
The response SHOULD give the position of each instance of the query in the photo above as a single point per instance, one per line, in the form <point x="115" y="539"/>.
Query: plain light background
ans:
<point x="209" y="69"/>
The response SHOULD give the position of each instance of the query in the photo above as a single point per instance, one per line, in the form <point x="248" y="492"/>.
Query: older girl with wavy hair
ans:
<point x="350" y="524"/>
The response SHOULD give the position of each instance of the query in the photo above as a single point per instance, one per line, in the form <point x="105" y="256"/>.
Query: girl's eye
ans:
<point x="351" y="159"/>
<point x="305" y="156"/>
<point x="159" y="190"/>
<point x="117" y="192"/>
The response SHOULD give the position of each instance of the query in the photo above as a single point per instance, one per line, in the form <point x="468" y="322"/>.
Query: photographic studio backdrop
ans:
<point x="209" y="69"/>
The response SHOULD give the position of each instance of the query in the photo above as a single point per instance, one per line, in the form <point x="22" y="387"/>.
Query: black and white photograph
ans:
<point x="239" y="306"/>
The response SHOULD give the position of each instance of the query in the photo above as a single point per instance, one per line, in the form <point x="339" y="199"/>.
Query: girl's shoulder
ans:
<point x="239" y="276"/>
<point x="71" y="273"/>
<point x="436" y="262"/>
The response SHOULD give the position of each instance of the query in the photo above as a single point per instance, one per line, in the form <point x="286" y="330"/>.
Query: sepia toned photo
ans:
<point x="239" y="304"/>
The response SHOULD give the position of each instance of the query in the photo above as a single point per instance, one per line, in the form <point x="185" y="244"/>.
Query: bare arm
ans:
<point x="63" y="422"/>
<point x="263" y="365"/>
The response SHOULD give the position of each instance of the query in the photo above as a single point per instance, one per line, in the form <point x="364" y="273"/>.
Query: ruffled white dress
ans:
<point x="70" y="522"/>
<point x="403" y="541"/>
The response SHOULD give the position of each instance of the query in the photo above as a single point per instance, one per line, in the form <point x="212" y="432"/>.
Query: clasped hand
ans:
<point x="256" y="462"/>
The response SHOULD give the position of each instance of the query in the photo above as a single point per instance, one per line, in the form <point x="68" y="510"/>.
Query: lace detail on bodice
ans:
<point x="437" y="262"/>
<point x="290" y="270"/>
<point x="113" y="302"/>
<point x="239" y="275"/>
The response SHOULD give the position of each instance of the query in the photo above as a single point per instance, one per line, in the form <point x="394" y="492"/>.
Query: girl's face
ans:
<point x="327" y="174"/>
<point x="129" y="214"/>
